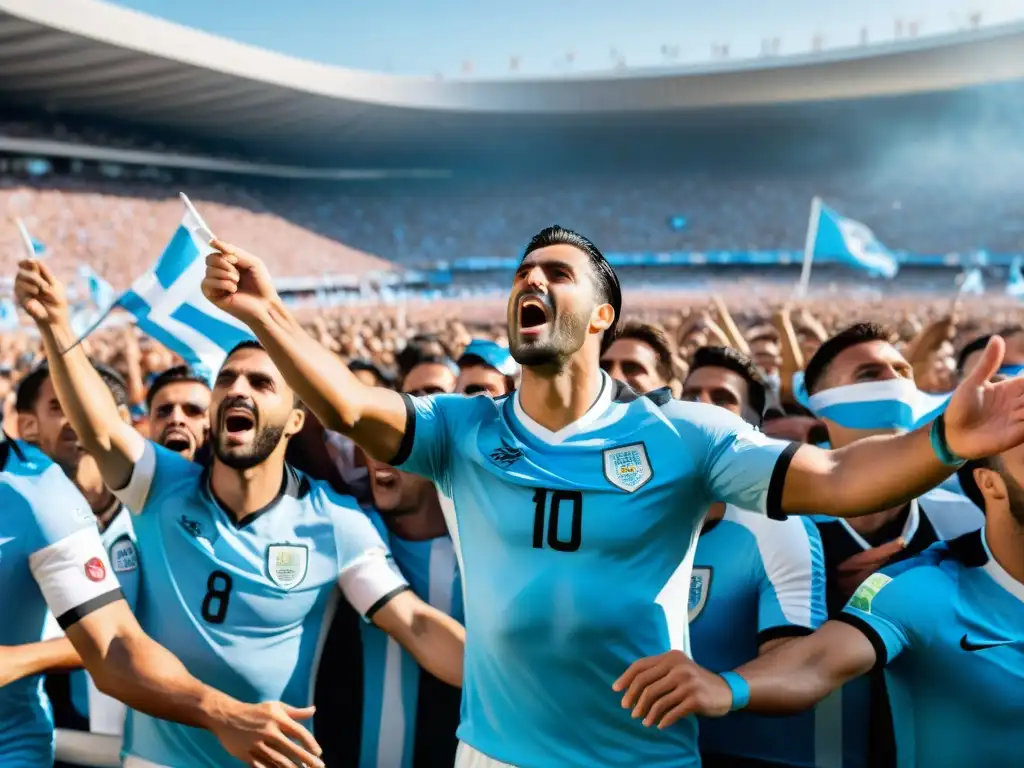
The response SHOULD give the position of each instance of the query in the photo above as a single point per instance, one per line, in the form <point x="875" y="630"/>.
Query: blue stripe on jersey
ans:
<point x="949" y="626"/>
<point x="755" y="580"/>
<point x="39" y="506"/>
<point x="575" y="549"/>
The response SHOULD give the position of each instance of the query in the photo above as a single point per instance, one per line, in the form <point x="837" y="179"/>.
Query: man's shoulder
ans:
<point x="922" y="580"/>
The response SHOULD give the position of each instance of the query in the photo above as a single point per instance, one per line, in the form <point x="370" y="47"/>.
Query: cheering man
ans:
<point x="574" y="504"/>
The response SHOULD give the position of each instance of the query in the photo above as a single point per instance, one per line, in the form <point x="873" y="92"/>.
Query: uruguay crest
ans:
<point x="628" y="467"/>
<point x="287" y="564"/>
<point x="700" y="586"/>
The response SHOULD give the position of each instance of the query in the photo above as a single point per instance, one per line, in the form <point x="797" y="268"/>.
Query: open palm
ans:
<point x="984" y="418"/>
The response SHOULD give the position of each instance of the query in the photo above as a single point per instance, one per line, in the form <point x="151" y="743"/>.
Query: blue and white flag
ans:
<point x="972" y="283"/>
<point x="34" y="249"/>
<point x="1015" y="283"/>
<point x="8" y="315"/>
<point x="168" y="303"/>
<point x="850" y="242"/>
<point x="101" y="293"/>
<point x="890" y="404"/>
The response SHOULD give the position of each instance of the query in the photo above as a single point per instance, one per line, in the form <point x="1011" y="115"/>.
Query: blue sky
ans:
<point x="426" y="37"/>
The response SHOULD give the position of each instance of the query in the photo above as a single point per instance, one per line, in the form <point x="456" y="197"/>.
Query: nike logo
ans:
<point x="967" y="645"/>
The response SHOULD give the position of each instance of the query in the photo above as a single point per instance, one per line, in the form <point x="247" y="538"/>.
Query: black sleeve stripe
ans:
<point x="78" y="613"/>
<point x="786" y="630"/>
<point x="385" y="600"/>
<point x="778" y="482"/>
<point x="405" y="448"/>
<point x="881" y="654"/>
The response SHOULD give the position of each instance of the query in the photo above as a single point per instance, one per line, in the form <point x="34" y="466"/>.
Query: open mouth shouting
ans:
<point x="534" y="315"/>
<point x="176" y="439"/>
<point x="238" y="424"/>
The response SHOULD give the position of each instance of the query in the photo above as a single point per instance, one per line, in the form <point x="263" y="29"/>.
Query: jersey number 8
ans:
<point x="540" y="498"/>
<point x="218" y="595"/>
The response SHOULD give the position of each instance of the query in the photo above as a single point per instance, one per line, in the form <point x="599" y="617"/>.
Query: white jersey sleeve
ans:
<point x="69" y="561"/>
<point x="367" y="574"/>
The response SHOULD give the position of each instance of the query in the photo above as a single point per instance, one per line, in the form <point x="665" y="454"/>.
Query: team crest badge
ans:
<point x="287" y="564"/>
<point x="700" y="586"/>
<point x="123" y="556"/>
<point x="628" y="467"/>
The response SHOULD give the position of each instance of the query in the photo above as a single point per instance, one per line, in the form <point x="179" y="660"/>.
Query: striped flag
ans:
<point x="101" y="293"/>
<point x="971" y="282"/>
<point x="167" y="301"/>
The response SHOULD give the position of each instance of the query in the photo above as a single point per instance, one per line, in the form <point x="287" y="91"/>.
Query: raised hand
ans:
<point x="40" y="294"/>
<point x="268" y="735"/>
<point x="238" y="282"/>
<point x="985" y="419"/>
<point x="666" y="688"/>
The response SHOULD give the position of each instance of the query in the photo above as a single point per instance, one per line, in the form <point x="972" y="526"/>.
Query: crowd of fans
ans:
<point x="314" y="228"/>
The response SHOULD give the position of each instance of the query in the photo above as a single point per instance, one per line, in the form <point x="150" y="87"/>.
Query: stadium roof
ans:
<point x="88" y="58"/>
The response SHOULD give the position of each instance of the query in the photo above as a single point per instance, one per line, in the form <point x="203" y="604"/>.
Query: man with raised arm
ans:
<point x="51" y="557"/>
<point x="574" y="504"/>
<point x="242" y="561"/>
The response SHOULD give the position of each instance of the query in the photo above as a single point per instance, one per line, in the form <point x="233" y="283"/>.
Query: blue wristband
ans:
<point x="740" y="690"/>
<point x="937" y="435"/>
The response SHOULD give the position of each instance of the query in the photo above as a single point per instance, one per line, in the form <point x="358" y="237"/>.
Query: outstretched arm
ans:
<point x="83" y="395"/>
<point x="790" y="678"/>
<point x="374" y="418"/>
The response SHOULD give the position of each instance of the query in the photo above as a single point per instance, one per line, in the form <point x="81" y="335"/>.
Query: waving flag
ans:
<point x="101" y="293"/>
<point x="1015" y="284"/>
<point x="971" y="282"/>
<point x="833" y="236"/>
<point x="168" y="303"/>
<point x="8" y="315"/>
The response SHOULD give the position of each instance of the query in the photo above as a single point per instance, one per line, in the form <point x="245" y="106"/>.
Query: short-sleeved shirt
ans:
<point x="755" y="580"/>
<point x="51" y="557"/>
<point x="857" y="715"/>
<point x="245" y="606"/>
<point x="948" y="626"/>
<point x="575" y="549"/>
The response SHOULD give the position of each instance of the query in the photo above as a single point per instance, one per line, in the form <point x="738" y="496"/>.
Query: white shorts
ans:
<point x="467" y="757"/>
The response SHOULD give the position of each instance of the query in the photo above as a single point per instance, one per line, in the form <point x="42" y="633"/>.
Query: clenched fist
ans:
<point x="40" y="294"/>
<point x="238" y="282"/>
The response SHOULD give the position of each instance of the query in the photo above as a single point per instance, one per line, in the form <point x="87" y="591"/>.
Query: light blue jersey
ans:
<point x="755" y="580"/>
<point x="409" y="716"/>
<point x="948" y="626"/>
<point x="50" y="556"/>
<point x="243" y="606"/>
<point x="575" y="549"/>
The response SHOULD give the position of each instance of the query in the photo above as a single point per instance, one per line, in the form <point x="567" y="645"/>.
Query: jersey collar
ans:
<point x="998" y="573"/>
<point x="909" y="527"/>
<point x="600" y="405"/>
<point x="292" y="484"/>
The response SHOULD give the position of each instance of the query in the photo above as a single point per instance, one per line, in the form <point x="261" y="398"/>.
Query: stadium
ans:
<point x="393" y="210"/>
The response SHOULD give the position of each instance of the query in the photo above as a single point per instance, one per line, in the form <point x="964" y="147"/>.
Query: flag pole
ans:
<point x="26" y="239"/>
<point x="812" y="236"/>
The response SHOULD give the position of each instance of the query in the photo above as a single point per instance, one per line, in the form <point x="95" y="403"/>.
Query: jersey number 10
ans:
<point x="542" y="511"/>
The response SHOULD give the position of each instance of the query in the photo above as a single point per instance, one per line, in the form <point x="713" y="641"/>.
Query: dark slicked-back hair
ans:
<point x="28" y="390"/>
<point x="173" y="375"/>
<point x="737" y="362"/>
<point x="245" y="344"/>
<point x="861" y="333"/>
<point x="605" y="280"/>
